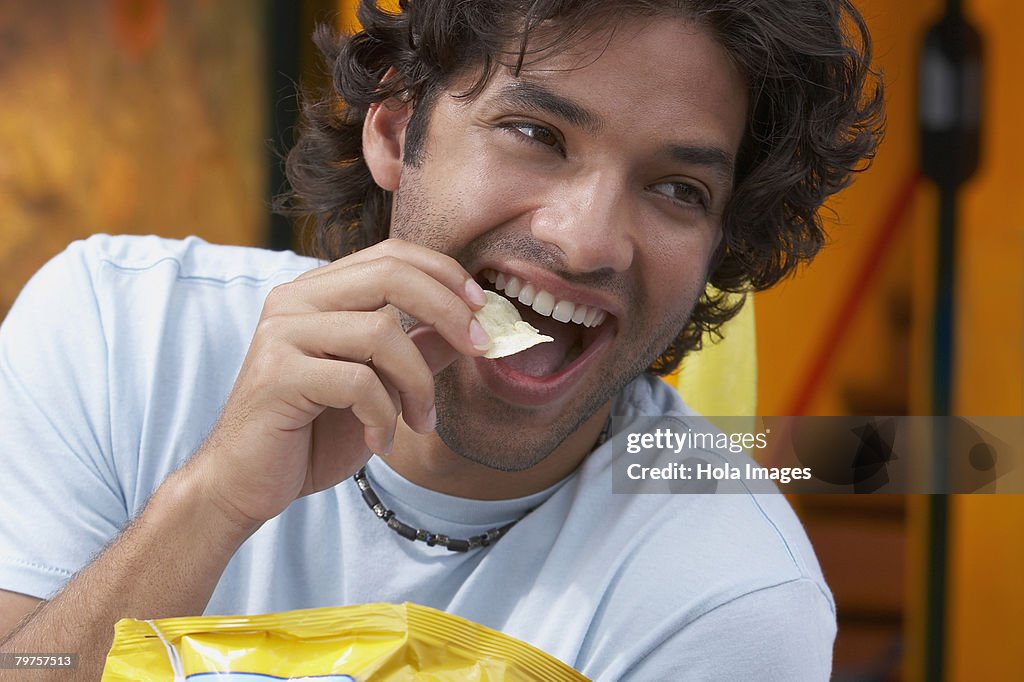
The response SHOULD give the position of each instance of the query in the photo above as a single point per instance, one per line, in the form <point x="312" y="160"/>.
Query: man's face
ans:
<point x="596" y="178"/>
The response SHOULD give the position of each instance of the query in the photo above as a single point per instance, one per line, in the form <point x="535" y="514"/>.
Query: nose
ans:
<point x="589" y="220"/>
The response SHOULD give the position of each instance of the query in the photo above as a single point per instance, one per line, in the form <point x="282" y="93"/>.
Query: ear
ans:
<point x="384" y="141"/>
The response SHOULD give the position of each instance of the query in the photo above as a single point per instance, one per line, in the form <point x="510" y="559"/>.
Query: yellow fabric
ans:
<point x="721" y="378"/>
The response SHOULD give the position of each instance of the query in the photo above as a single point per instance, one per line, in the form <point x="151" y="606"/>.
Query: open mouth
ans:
<point x="574" y="326"/>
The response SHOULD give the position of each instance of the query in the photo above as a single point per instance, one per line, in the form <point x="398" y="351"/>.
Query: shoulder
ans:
<point x="720" y="586"/>
<point x="781" y="632"/>
<point x="739" y="538"/>
<point x="123" y="294"/>
<point x="143" y="338"/>
<point x="692" y="552"/>
<point x="685" y="566"/>
<point x="190" y="258"/>
<point x="103" y="270"/>
<point x="147" y="285"/>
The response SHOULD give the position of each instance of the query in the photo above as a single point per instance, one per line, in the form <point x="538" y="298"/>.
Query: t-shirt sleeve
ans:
<point x="780" y="633"/>
<point x="60" y="500"/>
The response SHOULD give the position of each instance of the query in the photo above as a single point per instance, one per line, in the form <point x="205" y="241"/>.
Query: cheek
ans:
<point x="479" y="195"/>
<point x="691" y="244"/>
<point x="675" y="272"/>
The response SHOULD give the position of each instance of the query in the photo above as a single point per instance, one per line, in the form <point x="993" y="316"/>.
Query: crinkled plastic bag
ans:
<point x="366" y="643"/>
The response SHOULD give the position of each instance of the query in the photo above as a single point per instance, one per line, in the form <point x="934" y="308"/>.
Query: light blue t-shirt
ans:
<point x="115" y="362"/>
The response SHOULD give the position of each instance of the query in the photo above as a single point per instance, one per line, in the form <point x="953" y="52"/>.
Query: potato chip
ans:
<point x="509" y="333"/>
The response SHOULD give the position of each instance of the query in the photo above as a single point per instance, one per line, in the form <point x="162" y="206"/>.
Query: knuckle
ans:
<point x="391" y="266"/>
<point x="277" y="298"/>
<point x="449" y="261"/>
<point x="382" y="326"/>
<point x="388" y="248"/>
<point x="269" y="365"/>
<point x="313" y="272"/>
<point x="367" y="389"/>
<point x="453" y="307"/>
<point x="362" y="379"/>
<point x="271" y="327"/>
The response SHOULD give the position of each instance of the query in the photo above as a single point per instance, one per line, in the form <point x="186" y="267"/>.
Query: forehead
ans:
<point x="665" y="76"/>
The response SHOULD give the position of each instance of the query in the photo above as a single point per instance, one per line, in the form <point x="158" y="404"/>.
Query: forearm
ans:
<point x="166" y="563"/>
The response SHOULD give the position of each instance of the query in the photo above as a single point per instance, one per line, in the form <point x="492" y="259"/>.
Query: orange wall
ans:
<point x="872" y="361"/>
<point x="986" y="595"/>
<point x="987" y="538"/>
<point x="990" y="339"/>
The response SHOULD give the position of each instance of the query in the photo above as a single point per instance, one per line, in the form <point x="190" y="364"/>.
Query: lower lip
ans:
<point x="528" y="391"/>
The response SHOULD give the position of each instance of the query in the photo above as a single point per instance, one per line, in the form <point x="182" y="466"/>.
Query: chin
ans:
<point x="486" y="430"/>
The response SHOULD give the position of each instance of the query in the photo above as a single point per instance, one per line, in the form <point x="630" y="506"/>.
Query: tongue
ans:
<point x="544" y="358"/>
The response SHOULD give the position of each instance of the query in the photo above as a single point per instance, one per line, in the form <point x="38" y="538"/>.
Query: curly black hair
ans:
<point x="815" y="118"/>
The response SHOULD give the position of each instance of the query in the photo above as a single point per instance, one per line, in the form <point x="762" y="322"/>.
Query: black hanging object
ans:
<point x="949" y="101"/>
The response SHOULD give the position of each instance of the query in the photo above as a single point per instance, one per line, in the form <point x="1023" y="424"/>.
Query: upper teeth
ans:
<point x="544" y="302"/>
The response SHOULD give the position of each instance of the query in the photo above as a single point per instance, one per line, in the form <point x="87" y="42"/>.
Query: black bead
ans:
<point x="407" y="532"/>
<point x="410" y="533"/>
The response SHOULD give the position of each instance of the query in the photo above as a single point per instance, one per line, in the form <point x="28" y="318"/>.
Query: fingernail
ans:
<point x="475" y="292"/>
<point x="432" y="418"/>
<point x="479" y="337"/>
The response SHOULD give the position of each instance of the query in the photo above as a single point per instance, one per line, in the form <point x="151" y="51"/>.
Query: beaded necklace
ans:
<point x="408" y="532"/>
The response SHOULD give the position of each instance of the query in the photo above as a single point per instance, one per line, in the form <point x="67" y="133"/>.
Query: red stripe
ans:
<point x="854" y="298"/>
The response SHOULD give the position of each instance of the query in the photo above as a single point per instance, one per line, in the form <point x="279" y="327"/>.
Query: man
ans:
<point x="600" y="162"/>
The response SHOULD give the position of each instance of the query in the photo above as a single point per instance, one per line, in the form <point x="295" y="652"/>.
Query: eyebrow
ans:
<point x="533" y="96"/>
<point x="536" y="97"/>
<point x="716" y="160"/>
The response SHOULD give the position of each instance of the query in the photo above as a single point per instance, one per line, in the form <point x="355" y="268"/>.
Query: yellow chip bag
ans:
<point x="365" y="643"/>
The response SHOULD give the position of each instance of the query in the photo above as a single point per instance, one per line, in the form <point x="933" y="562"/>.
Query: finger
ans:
<point x="384" y="435"/>
<point x="441" y="267"/>
<point x="354" y="386"/>
<point x="374" y="284"/>
<point x="374" y="338"/>
<point x="437" y="352"/>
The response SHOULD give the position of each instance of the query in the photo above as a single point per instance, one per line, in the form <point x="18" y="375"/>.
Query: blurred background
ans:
<point x="167" y="117"/>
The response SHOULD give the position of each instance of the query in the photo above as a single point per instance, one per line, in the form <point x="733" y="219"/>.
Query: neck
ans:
<point x="425" y="460"/>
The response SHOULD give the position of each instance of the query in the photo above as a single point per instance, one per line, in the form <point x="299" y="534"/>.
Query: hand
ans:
<point x="330" y="370"/>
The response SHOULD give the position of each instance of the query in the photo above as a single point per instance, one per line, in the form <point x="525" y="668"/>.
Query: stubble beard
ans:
<point x="486" y="431"/>
<point x="483" y="429"/>
<point x="476" y="425"/>
<point x="480" y="428"/>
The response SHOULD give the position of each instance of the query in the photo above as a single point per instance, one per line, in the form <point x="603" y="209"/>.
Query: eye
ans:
<point x="685" y="193"/>
<point x="534" y="132"/>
